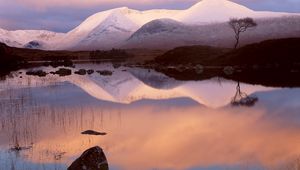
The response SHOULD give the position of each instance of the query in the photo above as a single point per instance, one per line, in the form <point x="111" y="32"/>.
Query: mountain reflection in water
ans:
<point x="165" y="125"/>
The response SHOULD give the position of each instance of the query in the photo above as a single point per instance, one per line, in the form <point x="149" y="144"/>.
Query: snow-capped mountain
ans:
<point x="113" y="28"/>
<point x="23" y="38"/>
<point x="110" y="28"/>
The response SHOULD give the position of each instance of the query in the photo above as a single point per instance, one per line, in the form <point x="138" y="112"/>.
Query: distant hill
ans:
<point x="191" y="55"/>
<point x="12" y="58"/>
<point x="8" y="61"/>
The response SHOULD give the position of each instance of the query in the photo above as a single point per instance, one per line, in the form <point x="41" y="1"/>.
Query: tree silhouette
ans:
<point x="242" y="99"/>
<point x="239" y="26"/>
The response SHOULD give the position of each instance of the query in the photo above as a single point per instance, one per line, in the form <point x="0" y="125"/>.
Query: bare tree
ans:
<point x="239" y="26"/>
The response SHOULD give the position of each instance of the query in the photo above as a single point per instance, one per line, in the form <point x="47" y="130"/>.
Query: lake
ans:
<point x="153" y="122"/>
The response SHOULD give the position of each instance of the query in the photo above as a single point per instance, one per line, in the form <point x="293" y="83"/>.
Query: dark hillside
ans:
<point x="271" y="52"/>
<point x="277" y="52"/>
<point x="191" y="55"/>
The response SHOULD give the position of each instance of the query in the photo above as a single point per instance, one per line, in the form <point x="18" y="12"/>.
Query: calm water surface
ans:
<point x="152" y="122"/>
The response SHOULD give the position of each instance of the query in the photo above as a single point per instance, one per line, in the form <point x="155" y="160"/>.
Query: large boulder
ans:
<point x="91" y="159"/>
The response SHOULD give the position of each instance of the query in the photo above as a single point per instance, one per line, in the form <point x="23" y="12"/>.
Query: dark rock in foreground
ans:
<point x="91" y="132"/>
<point x="91" y="159"/>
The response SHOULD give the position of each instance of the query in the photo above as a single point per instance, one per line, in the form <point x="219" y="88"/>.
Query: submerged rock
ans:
<point x="105" y="73"/>
<point x="91" y="132"/>
<point x="91" y="159"/>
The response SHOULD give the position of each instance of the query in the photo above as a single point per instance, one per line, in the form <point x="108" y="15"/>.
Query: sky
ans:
<point x="64" y="15"/>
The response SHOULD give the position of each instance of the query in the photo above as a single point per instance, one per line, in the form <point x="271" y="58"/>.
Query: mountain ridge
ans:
<point x="111" y="28"/>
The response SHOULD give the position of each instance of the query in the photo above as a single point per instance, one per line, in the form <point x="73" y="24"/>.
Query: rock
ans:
<point x="91" y="159"/>
<point x="91" y="132"/>
<point x="90" y="72"/>
<point x="81" y="72"/>
<point x="199" y="69"/>
<point x="228" y="70"/>
<point x="39" y="73"/>
<point x="63" y="72"/>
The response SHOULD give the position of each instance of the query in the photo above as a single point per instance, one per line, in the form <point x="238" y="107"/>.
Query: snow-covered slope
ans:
<point x="112" y="28"/>
<point x="163" y="34"/>
<point x="208" y="11"/>
<point x="21" y="38"/>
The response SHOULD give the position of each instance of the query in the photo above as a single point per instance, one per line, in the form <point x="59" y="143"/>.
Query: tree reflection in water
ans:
<point x="242" y="99"/>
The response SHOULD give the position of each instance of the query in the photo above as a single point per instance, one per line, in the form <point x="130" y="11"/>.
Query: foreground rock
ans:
<point x="91" y="132"/>
<point x="91" y="159"/>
